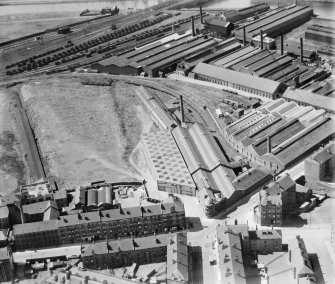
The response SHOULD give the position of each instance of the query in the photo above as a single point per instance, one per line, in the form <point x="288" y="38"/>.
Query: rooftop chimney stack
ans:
<point x="182" y="110"/>
<point x="201" y="19"/>
<point x="192" y="23"/>
<point x="269" y="144"/>
<point x="261" y="35"/>
<point x="281" y="45"/>
<point x="302" y="50"/>
<point x="244" y="36"/>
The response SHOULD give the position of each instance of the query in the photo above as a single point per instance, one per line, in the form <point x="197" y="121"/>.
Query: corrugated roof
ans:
<point x="238" y="78"/>
<point x="315" y="100"/>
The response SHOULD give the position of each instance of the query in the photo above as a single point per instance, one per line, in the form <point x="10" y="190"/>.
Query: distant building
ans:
<point x="321" y="165"/>
<point x="6" y="264"/>
<point x="240" y="14"/>
<point x="218" y="27"/>
<point x="278" y="200"/>
<point x="4" y="217"/>
<point x="240" y="81"/>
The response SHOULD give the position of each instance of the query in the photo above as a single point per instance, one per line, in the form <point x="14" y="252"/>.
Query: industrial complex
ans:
<point x="179" y="143"/>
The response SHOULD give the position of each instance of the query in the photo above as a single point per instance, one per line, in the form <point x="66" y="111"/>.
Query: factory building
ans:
<point x="321" y="34"/>
<point x="279" y="134"/>
<point x="218" y="188"/>
<point x="155" y="109"/>
<point x="276" y="22"/>
<point x="222" y="49"/>
<point x="261" y="87"/>
<point x="305" y="98"/>
<point x="156" y="58"/>
<point x="218" y="28"/>
<point x="166" y="164"/>
<point x="321" y="165"/>
<point x="240" y="14"/>
<point x="278" y="200"/>
<point x="146" y="219"/>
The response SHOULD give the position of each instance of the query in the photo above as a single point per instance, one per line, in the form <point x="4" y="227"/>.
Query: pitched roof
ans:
<point x="316" y="100"/>
<point x="235" y="77"/>
<point x="177" y="258"/>
<point x="39" y="207"/>
<point x="21" y="229"/>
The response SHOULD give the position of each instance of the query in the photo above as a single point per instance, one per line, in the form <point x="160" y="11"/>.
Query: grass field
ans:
<point x="85" y="133"/>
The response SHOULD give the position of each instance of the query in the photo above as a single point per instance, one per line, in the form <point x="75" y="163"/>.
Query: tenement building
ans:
<point x="6" y="264"/>
<point x="321" y="165"/>
<point x="147" y="219"/>
<point x="279" y="199"/>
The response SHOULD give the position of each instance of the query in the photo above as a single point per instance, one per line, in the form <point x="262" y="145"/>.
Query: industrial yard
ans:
<point x="173" y="143"/>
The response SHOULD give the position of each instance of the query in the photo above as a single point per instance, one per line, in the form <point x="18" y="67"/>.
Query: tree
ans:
<point x="56" y="278"/>
<point x="86" y="279"/>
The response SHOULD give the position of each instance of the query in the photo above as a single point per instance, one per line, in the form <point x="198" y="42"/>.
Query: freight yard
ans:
<point x="169" y="145"/>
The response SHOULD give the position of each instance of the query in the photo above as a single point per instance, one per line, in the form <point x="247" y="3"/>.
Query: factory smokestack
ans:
<point x="192" y="23"/>
<point x="201" y="19"/>
<point x="281" y="45"/>
<point x="244" y="36"/>
<point x="269" y="144"/>
<point x="261" y="35"/>
<point x="182" y="110"/>
<point x="302" y="50"/>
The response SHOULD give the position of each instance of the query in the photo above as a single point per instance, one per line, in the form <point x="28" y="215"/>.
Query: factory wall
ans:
<point x="176" y="188"/>
<point x="117" y="70"/>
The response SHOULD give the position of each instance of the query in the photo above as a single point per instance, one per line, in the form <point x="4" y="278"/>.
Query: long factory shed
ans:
<point x="277" y="22"/>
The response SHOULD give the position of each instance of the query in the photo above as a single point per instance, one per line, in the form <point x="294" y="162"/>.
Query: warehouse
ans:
<point x="235" y="56"/>
<point x="321" y="34"/>
<point x="305" y="98"/>
<point x="219" y="28"/>
<point x="155" y="109"/>
<point x="258" y="86"/>
<point x="277" y="22"/>
<point x="240" y="14"/>
<point x="158" y="57"/>
<point x="218" y="188"/>
<point x="279" y="134"/>
<point x="166" y="163"/>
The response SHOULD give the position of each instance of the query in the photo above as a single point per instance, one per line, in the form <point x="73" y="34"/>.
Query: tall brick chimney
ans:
<point x="201" y="19"/>
<point x="268" y="142"/>
<point x="302" y="50"/>
<point x="281" y="45"/>
<point x="261" y="35"/>
<point x="244" y="36"/>
<point x="192" y="23"/>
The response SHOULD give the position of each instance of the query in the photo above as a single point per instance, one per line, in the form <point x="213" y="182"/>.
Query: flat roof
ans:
<point x="305" y="97"/>
<point x="235" y="77"/>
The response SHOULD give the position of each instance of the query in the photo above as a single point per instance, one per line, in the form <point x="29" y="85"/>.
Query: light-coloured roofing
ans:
<point x="300" y="256"/>
<point x="315" y="100"/>
<point x="207" y="146"/>
<point x="230" y="259"/>
<point x="4" y="254"/>
<point x="188" y="149"/>
<point x="238" y="78"/>
<point x="60" y="194"/>
<point x="4" y="212"/>
<point x="165" y="158"/>
<point x="177" y="258"/>
<point x="325" y="154"/>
